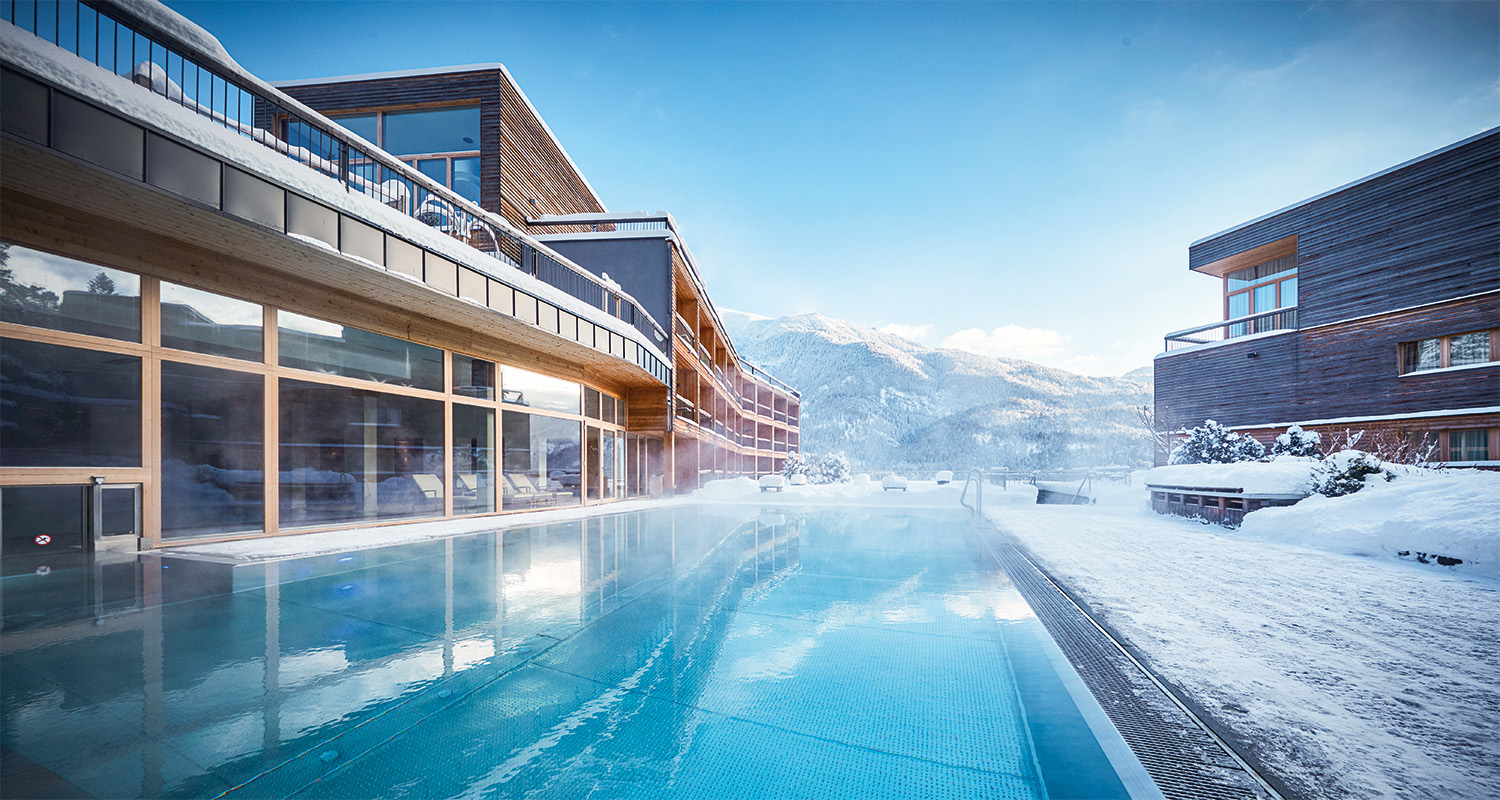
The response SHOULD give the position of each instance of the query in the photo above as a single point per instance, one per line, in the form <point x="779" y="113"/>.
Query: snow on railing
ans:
<point x="1282" y="319"/>
<point x="187" y="73"/>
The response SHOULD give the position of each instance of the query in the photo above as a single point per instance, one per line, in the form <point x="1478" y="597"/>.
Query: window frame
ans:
<point x="1445" y="354"/>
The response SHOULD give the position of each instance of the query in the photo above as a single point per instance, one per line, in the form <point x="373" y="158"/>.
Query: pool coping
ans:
<point x="1181" y="752"/>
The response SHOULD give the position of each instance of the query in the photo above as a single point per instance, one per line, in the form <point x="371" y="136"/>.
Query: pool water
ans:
<point x="694" y="652"/>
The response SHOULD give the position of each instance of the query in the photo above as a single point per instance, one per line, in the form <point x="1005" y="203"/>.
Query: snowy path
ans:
<point x="1344" y="676"/>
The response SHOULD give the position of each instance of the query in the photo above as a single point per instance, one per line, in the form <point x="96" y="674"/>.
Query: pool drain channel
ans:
<point x="1185" y="757"/>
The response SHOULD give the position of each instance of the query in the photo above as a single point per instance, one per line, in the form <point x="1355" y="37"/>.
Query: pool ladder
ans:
<point x="975" y="477"/>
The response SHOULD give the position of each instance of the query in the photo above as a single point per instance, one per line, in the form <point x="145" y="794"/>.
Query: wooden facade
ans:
<point x="524" y="170"/>
<point x="721" y="419"/>
<point x="102" y="184"/>
<point x="1409" y="254"/>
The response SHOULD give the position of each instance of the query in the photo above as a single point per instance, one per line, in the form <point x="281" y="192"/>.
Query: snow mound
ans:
<point x="729" y="488"/>
<point x="1450" y="514"/>
<point x="1288" y="475"/>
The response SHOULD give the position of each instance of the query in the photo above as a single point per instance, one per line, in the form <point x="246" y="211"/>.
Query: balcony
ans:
<point x="181" y="72"/>
<point x="1281" y="319"/>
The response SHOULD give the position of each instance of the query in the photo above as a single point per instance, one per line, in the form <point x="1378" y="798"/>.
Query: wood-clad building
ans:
<point x="225" y="315"/>
<point x="1374" y="307"/>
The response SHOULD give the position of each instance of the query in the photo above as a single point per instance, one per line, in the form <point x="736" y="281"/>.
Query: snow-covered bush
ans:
<point x="1345" y="472"/>
<point x="1212" y="443"/>
<point x="832" y="468"/>
<point x="1297" y="442"/>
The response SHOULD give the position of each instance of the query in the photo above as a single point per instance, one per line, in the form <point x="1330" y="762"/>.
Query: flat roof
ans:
<point x="1350" y="185"/>
<point x="494" y="66"/>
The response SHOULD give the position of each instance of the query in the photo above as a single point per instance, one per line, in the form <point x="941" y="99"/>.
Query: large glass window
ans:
<point x="1259" y="289"/>
<point x="351" y="454"/>
<point x="473" y="377"/>
<point x="440" y="130"/>
<point x="204" y="322"/>
<point x="363" y="125"/>
<point x="541" y="463"/>
<point x="312" y="344"/>
<point x="49" y="291"/>
<point x="524" y="388"/>
<point x="68" y="407"/>
<point x="473" y="459"/>
<point x="213" y="454"/>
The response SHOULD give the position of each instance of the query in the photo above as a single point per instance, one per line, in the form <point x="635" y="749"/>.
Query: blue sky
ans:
<point x="1018" y="179"/>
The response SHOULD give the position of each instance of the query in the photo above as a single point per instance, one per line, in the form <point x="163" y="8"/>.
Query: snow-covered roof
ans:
<point x="493" y="66"/>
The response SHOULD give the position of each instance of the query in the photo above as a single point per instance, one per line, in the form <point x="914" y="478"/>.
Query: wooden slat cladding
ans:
<point x="1343" y="370"/>
<point x="1225" y="383"/>
<point x="518" y="160"/>
<point x="1420" y="234"/>
<point x="535" y="176"/>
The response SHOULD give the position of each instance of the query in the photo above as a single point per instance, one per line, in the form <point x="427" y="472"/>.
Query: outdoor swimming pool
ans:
<point x="690" y="652"/>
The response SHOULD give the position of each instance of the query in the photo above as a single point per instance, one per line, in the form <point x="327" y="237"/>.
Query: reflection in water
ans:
<point x="682" y="652"/>
<point x="228" y="669"/>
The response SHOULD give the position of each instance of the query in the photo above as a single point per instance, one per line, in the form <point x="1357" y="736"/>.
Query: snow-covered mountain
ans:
<point x="891" y="403"/>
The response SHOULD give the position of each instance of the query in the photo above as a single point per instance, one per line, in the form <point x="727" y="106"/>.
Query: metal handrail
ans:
<point x="1285" y="319"/>
<point x="247" y="106"/>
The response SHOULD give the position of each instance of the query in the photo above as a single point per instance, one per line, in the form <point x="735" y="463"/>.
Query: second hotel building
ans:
<point x="228" y="314"/>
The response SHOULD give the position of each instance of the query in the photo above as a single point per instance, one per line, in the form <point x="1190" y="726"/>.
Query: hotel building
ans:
<point x="231" y="309"/>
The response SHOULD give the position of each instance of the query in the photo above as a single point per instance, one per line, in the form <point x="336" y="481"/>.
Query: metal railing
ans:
<point x="1282" y="319"/>
<point x="112" y="39"/>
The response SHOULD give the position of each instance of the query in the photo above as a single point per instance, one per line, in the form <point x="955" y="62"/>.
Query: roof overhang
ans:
<point x="1249" y="258"/>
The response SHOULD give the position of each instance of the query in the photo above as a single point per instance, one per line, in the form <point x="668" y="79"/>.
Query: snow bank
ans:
<point x="1451" y="514"/>
<point x="1289" y="475"/>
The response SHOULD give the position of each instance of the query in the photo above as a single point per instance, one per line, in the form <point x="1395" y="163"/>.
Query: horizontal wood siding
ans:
<point x="1421" y="234"/>
<point x="1351" y="370"/>
<point x="1225" y="384"/>
<point x="1345" y="370"/>
<point x="518" y="161"/>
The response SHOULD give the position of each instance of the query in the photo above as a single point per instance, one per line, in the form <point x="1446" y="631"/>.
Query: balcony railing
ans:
<point x="180" y="72"/>
<point x="1282" y="319"/>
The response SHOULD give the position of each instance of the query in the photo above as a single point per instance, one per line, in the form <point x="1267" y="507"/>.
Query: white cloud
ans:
<point x="1010" y="341"/>
<point x="915" y="333"/>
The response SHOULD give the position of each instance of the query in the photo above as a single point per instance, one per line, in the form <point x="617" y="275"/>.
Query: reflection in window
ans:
<point x="473" y="459"/>
<point x="473" y="377"/>
<point x="1469" y="348"/>
<point x="538" y="391"/>
<point x="68" y="407"/>
<point x="351" y="454"/>
<point x="442" y="130"/>
<point x="204" y="322"/>
<point x="1420" y="355"/>
<point x="541" y="462"/>
<point x="466" y="178"/>
<point x="63" y="294"/>
<point x="363" y="125"/>
<point x="312" y="344"/>
<point x="212" y="451"/>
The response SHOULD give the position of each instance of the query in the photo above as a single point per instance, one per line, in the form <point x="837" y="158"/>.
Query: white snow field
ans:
<point x="1341" y="669"/>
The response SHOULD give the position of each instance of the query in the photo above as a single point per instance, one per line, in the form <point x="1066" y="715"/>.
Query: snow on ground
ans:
<point x="1342" y="675"/>
<point x="1284" y="475"/>
<point x="1453" y="514"/>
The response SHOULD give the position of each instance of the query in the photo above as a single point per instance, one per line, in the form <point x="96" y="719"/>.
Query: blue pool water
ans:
<point x="694" y="652"/>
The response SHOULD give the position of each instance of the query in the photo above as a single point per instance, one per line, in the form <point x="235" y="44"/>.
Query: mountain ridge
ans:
<point x="889" y="402"/>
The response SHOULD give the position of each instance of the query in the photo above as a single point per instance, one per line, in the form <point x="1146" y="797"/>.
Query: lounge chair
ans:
<point x="890" y="482"/>
<point x="772" y="483"/>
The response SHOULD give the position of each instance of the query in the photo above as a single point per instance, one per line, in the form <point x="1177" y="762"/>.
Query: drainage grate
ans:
<point x="1181" y="755"/>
